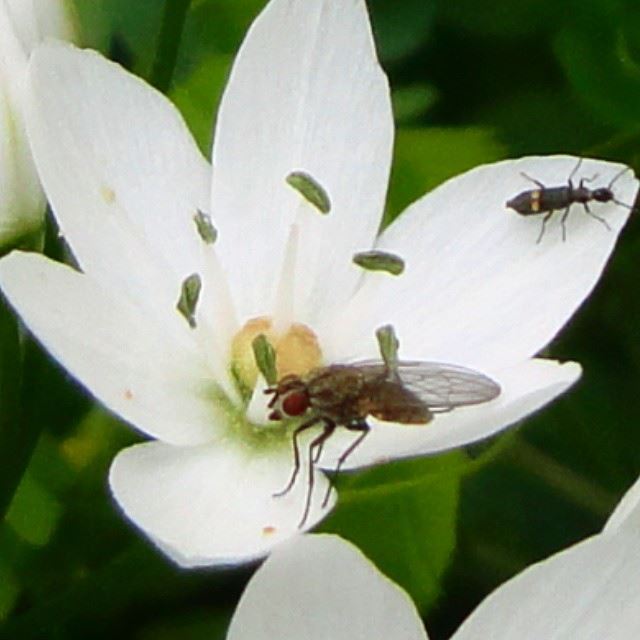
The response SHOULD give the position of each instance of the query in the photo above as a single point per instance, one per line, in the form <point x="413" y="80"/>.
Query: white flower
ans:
<point x="23" y="24"/>
<point x="125" y="181"/>
<point x="320" y="586"/>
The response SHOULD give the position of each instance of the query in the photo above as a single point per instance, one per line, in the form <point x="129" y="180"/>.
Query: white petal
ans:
<point x="589" y="591"/>
<point x="118" y="353"/>
<point x="477" y="289"/>
<point x="320" y="587"/>
<point x="626" y="515"/>
<point x="213" y="505"/>
<point x="37" y="20"/>
<point x="525" y="388"/>
<point x="121" y="171"/>
<point x="306" y="93"/>
<point x="21" y="197"/>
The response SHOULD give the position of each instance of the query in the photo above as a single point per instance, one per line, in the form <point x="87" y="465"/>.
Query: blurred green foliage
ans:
<point x="472" y="83"/>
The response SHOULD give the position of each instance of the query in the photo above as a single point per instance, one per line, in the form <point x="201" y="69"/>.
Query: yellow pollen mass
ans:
<point x="297" y="350"/>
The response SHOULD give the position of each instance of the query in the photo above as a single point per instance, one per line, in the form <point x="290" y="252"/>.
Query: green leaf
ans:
<point x="412" y="101"/>
<point x="198" y="95"/>
<point x="400" y="28"/>
<point x="34" y="512"/>
<point x="597" y="53"/>
<point x="426" y="157"/>
<point x="198" y="625"/>
<point x="403" y="517"/>
<point x="126" y="30"/>
<point x="9" y="589"/>
<point x="503" y="19"/>
<point x="216" y="26"/>
<point x="13" y="440"/>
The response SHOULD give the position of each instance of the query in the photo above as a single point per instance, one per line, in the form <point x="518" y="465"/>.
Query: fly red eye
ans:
<point x="296" y="403"/>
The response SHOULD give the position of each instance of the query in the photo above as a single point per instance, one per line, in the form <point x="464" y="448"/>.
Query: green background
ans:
<point x="472" y="82"/>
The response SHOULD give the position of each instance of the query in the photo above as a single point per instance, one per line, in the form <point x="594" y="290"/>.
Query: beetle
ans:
<point x="344" y="395"/>
<point x="547" y="200"/>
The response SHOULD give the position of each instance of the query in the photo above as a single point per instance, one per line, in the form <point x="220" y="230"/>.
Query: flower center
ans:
<point x="297" y="350"/>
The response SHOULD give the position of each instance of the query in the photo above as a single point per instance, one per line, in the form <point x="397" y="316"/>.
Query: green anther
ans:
<point x="310" y="190"/>
<point x="379" y="261"/>
<point x="265" y="356"/>
<point x="205" y="227"/>
<point x="388" y="344"/>
<point x="189" y="298"/>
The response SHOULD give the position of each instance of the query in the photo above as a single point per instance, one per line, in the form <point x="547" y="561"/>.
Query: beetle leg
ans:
<point x="363" y="428"/>
<point x="563" y="222"/>
<point x="593" y="215"/>
<point x="544" y="222"/>
<point x="575" y="170"/>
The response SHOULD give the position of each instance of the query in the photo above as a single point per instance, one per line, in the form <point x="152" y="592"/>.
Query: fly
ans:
<point x="547" y="200"/>
<point x="344" y="395"/>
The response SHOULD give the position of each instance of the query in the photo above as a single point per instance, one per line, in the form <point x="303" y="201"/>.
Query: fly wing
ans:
<point x="441" y="387"/>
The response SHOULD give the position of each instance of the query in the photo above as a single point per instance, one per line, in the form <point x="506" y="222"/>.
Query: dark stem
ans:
<point x="173" y="19"/>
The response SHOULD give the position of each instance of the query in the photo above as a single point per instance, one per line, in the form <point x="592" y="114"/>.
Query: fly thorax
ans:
<point x="297" y="350"/>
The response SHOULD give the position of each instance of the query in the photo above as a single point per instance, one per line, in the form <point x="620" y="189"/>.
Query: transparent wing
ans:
<point x="440" y="386"/>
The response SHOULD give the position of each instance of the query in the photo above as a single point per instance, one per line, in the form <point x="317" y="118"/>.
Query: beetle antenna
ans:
<point x="618" y="175"/>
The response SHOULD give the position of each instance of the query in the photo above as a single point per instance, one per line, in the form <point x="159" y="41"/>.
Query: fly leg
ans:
<point x="317" y="442"/>
<point x="544" y="222"/>
<point x="363" y="428"/>
<point x="296" y="456"/>
<point x="593" y="215"/>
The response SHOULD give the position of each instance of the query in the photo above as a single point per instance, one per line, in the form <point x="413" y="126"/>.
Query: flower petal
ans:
<point x="21" y="198"/>
<point x="588" y="591"/>
<point x="121" y="171"/>
<point x="306" y="93"/>
<point x="477" y="289"/>
<point x="37" y="20"/>
<point x="119" y="354"/>
<point x="319" y="587"/>
<point x="525" y="388"/>
<point x="626" y="515"/>
<point x="213" y="505"/>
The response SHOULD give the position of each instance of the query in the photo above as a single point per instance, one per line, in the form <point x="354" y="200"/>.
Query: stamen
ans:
<point x="296" y="351"/>
<point x="284" y="302"/>
<point x="379" y="261"/>
<point x="310" y="189"/>
<point x="188" y="300"/>
<point x="265" y="357"/>
<point x="205" y="227"/>
<point x="388" y="344"/>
